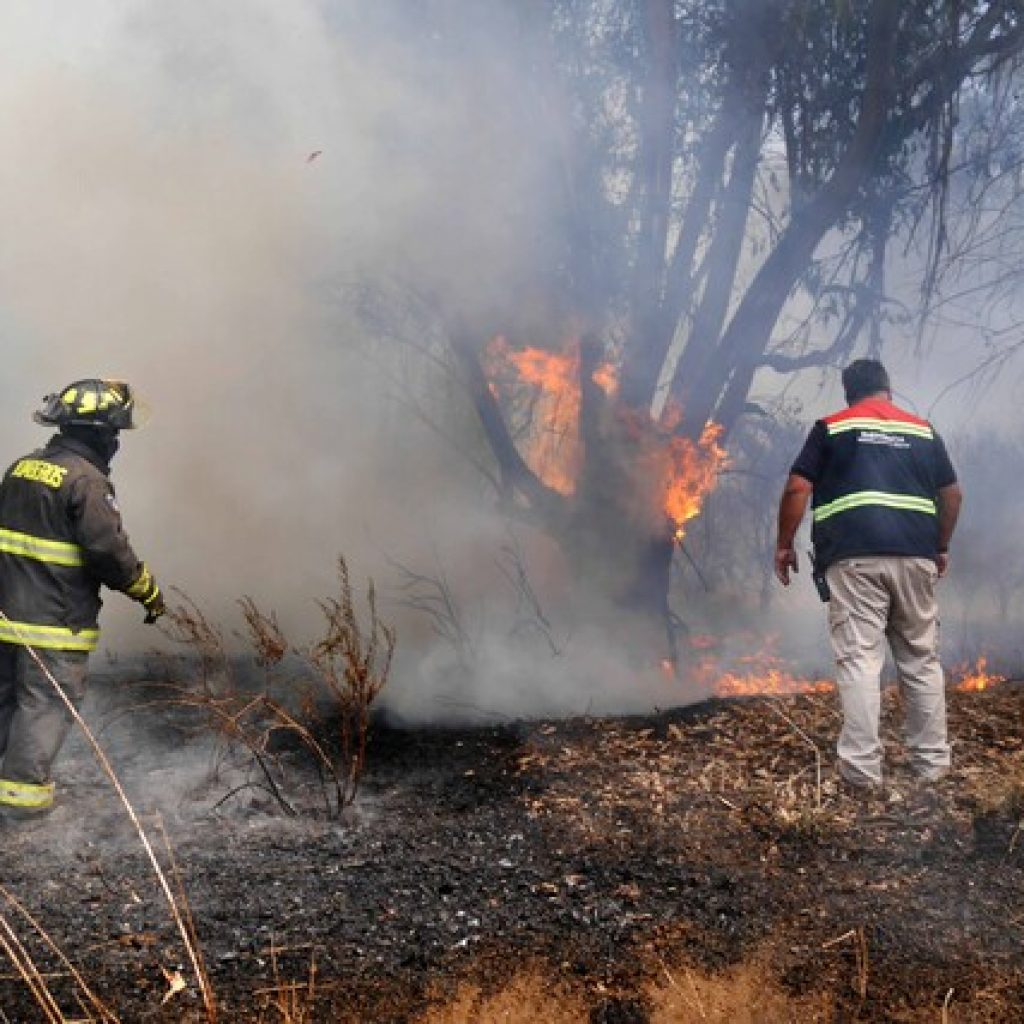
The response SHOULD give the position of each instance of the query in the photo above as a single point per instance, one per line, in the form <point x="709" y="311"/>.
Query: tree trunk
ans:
<point x="723" y="257"/>
<point x="620" y="543"/>
<point x="745" y="339"/>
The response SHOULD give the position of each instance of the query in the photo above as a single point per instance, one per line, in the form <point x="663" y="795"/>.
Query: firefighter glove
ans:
<point x="155" y="608"/>
<point x="147" y="593"/>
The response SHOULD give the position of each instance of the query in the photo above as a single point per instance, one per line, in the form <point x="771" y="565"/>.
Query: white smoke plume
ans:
<point x="186" y="190"/>
<point x="186" y="193"/>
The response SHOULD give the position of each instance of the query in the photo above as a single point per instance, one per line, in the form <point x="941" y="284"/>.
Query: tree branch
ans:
<point x="515" y="473"/>
<point x="747" y="334"/>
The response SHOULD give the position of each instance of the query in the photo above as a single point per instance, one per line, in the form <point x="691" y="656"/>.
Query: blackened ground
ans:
<point x="601" y="855"/>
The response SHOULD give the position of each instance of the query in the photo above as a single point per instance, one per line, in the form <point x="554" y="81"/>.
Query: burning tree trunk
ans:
<point x="676" y="238"/>
<point x="614" y="487"/>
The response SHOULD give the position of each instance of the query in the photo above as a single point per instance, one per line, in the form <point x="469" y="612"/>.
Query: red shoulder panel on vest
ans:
<point x="876" y="409"/>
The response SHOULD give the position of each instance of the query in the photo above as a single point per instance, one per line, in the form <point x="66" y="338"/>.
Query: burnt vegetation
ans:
<point x="732" y="192"/>
<point x="688" y="866"/>
<point x="316" y="699"/>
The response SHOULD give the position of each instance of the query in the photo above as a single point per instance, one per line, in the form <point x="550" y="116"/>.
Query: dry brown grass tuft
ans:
<point x="320" y="696"/>
<point x="745" y="995"/>
<point x="527" y="999"/>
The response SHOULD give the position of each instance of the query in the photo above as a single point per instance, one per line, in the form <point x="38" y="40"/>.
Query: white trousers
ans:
<point x="875" y="599"/>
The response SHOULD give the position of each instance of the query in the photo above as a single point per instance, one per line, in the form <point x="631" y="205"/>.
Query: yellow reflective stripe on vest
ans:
<point x="882" y="426"/>
<point x="57" y="552"/>
<point x="26" y="794"/>
<point x="859" y="499"/>
<point x="51" y="638"/>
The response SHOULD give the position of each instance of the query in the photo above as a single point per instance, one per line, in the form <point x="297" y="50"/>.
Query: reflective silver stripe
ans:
<point x="42" y="550"/>
<point x="859" y="499"/>
<point x="53" y="638"/>
<point x="26" y="794"/>
<point x="882" y="426"/>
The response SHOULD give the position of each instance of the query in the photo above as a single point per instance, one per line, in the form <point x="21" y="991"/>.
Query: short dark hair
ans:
<point x="864" y="377"/>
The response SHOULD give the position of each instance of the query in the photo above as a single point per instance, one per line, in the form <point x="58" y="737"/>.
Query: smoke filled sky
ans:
<point x="165" y="220"/>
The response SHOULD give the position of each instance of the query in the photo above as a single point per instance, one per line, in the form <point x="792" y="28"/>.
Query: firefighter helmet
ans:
<point x="92" y="403"/>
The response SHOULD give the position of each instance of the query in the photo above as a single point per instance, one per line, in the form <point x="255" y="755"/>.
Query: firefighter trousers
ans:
<point x="34" y="723"/>
<point x="874" y="600"/>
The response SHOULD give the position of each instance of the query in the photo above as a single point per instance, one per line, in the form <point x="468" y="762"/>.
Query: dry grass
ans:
<point x="745" y="995"/>
<point x="288" y="1002"/>
<point x="528" y="999"/>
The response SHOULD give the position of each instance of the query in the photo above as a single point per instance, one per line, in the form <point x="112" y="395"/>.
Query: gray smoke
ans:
<point x="190" y="194"/>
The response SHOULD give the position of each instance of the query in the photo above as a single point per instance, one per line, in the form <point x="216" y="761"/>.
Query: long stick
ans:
<point x="211" y="1009"/>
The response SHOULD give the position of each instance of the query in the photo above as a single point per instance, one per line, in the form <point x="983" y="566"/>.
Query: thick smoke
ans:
<point x="187" y="193"/>
<point x="191" y="194"/>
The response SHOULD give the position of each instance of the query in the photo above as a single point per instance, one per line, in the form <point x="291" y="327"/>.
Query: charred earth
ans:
<point x="696" y="865"/>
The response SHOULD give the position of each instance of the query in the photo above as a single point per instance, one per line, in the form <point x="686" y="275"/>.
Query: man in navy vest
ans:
<point x="885" y="501"/>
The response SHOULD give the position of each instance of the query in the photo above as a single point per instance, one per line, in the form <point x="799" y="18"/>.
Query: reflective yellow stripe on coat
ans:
<point x="885" y="499"/>
<point x="26" y="794"/>
<point x="57" y="552"/>
<point x="52" y="638"/>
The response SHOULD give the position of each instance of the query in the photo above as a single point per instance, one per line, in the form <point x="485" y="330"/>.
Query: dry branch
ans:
<point x="348" y="666"/>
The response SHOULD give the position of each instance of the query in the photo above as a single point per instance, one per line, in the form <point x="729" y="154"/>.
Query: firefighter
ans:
<point x="60" y="538"/>
<point x="885" y="504"/>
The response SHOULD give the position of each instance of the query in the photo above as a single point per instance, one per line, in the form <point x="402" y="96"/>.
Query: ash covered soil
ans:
<point x="686" y="866"/>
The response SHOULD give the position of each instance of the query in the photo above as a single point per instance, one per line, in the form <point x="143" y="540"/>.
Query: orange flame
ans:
<point x="976" y="678"/>
<point x="687" y="470"/>
<point x="691" y="475"/>
<point x="749" y="675"/>
<point x="555" y="454"/>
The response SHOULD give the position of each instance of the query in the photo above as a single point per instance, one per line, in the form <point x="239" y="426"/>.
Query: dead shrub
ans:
<point x="319" y="697"/>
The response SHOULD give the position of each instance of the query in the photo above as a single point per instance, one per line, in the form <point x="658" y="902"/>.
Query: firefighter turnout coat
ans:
<point x="61" y="538"/>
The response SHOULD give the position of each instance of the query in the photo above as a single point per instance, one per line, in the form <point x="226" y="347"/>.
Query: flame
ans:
<point x="687" y="470"/>
<point x="976" y="677"/>
<point x="555" y="453"/>
<point x="691" y="475"/>
<point x="691" y="470"/>
<point x="765" y="673"/>
<point x="748" y="675"/>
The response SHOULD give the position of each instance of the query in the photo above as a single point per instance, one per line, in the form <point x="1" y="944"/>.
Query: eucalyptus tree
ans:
<point x="731" y="181"/>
